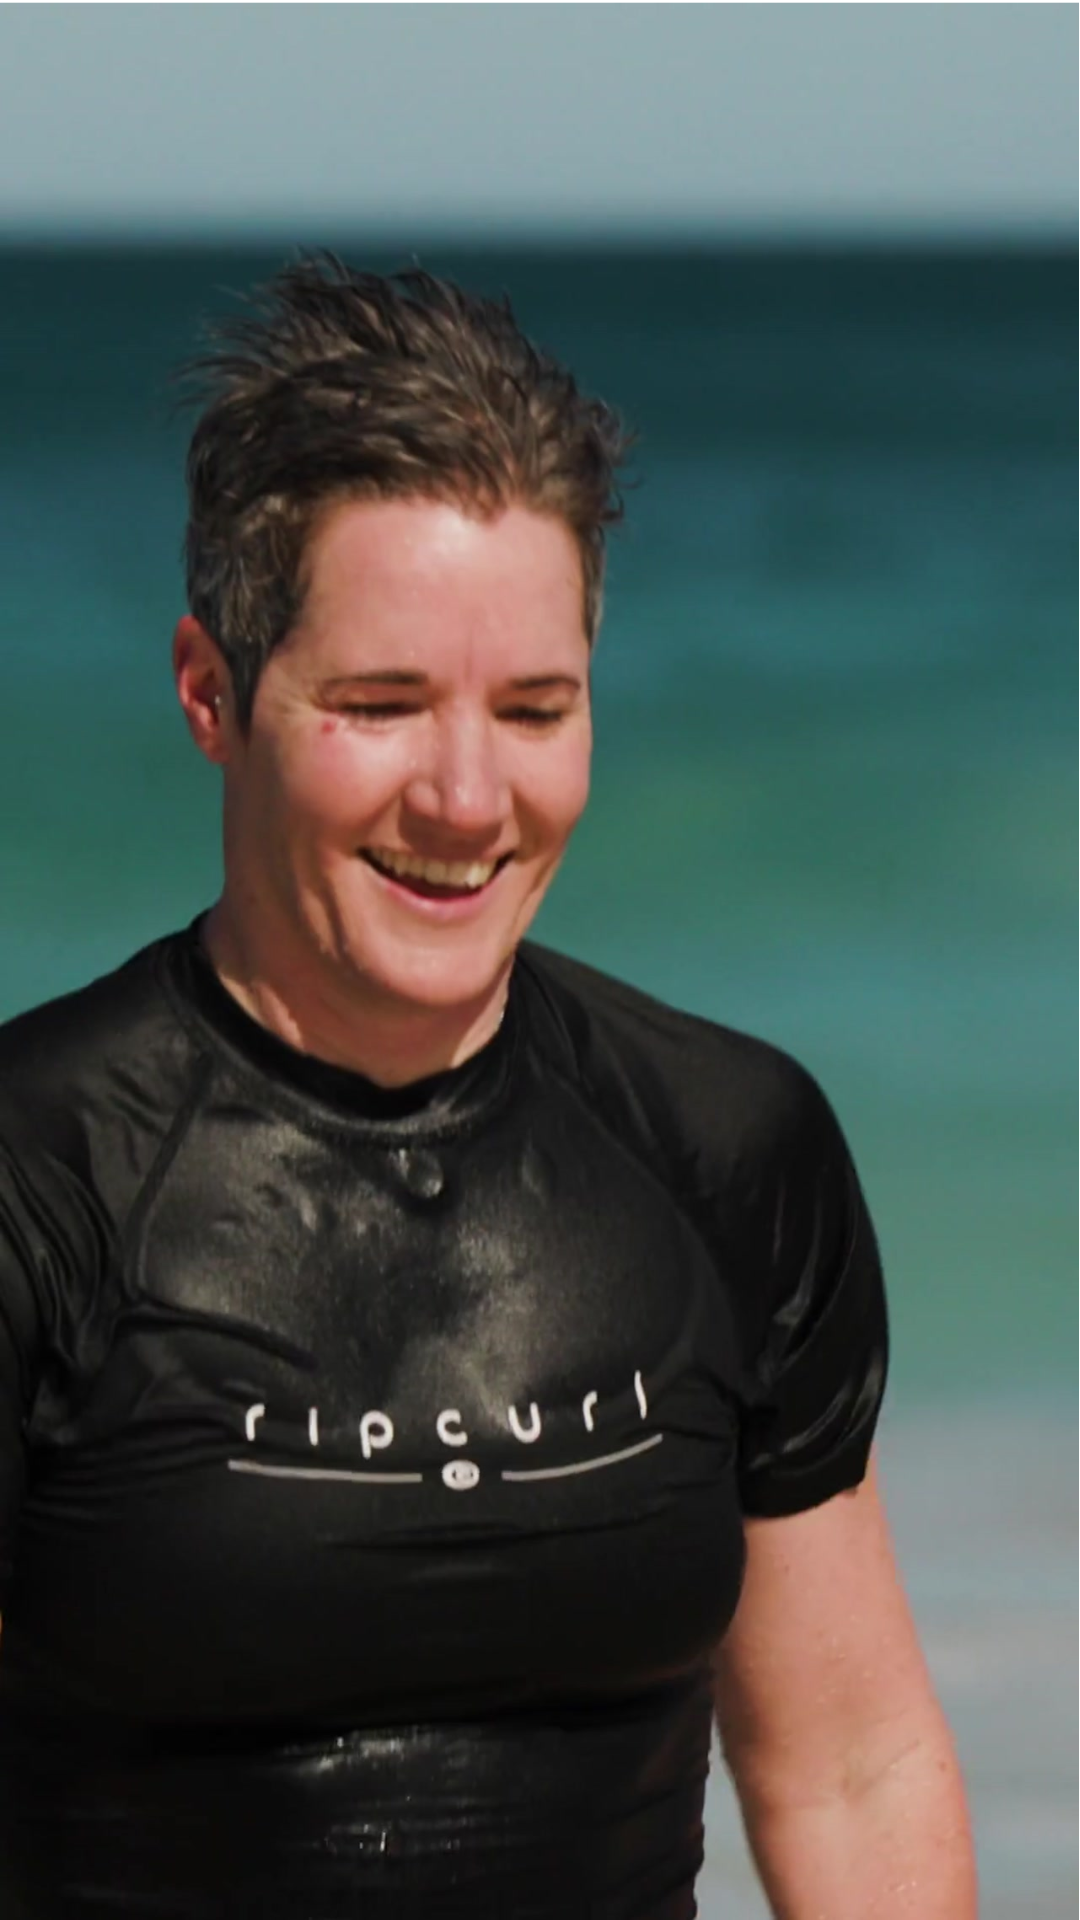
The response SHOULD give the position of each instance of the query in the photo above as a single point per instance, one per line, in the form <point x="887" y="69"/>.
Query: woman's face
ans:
<point x="419" y="747"/>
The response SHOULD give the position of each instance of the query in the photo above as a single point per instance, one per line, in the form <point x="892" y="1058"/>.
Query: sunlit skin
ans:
<point x="433" y="699"/>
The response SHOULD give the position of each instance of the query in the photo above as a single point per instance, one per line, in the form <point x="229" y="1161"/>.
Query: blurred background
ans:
<point x="822" y="258"/>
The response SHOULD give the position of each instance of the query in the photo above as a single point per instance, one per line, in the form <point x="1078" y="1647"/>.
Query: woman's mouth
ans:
<point x="434" y="879"/>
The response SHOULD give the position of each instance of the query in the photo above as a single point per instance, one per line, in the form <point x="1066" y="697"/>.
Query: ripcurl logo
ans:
<point x="376" y="1434"/>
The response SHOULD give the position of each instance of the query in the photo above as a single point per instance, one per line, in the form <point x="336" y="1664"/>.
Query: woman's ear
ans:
<point x="204" y="689"/>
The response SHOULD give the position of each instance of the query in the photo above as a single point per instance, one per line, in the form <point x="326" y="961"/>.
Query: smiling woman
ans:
<point x="394" y="808"/>
<point x="413" y="1342"/>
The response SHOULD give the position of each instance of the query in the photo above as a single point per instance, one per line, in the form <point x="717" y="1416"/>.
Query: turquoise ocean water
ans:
<point x="832" y="804"/>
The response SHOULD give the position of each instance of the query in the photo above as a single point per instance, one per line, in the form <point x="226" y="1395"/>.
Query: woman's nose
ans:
<point x="462" y="782"/>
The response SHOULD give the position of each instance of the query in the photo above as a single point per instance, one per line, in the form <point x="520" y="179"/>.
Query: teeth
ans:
<point x="440" y="873"/>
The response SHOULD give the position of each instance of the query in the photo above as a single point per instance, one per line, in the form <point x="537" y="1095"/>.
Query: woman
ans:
<point x="416" y="1342"/>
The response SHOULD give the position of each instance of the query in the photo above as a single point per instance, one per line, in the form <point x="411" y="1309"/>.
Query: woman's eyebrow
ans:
<point x="382" y="677"/>
<point x="401" y="677"/>
<point x="534" y="682"/>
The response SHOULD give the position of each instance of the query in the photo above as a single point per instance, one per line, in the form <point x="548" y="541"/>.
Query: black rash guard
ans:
<point x="374" y="1462"/>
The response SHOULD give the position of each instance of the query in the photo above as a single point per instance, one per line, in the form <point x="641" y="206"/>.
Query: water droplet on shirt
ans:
<point x="419" y="1172"/>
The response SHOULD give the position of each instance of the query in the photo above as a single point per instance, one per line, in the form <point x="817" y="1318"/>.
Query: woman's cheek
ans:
<point x="569" y="785"/>
<point x="342" y="778"/>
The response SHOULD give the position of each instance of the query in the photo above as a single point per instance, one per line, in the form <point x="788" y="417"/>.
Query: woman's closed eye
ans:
<point x="538" y="717"/>
<point x="380" y="709"/>
<point x="534" y="716"/>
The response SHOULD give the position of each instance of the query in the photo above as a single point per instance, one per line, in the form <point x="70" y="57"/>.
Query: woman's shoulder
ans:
<point x="710" y="1082"/>
<point x="70" y="1061"/>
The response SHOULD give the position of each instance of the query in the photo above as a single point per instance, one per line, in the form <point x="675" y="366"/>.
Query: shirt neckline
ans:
<point x="439" y="1103"/>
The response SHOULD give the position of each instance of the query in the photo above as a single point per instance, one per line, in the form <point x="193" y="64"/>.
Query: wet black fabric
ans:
<point x="374" y="1463"/>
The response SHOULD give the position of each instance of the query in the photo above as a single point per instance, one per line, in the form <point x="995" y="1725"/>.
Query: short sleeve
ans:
<point x="818" y="1375"/>
<point x="12" y="1453"/>
<point x="18" y="1342"/>
<point x="50" y="1243"/>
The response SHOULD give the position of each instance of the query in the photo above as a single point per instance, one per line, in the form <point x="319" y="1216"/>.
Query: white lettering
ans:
<point x="376" y="1431"/>
<point x="516" y="1427"/>
<point x="377" y="1428"/>
<point x="442" y="1428"/>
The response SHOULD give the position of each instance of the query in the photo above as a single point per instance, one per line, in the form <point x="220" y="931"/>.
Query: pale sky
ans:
<point x="516" y="120"/>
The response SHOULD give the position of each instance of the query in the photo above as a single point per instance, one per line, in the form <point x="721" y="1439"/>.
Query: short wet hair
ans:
<point x="337" y="385"/>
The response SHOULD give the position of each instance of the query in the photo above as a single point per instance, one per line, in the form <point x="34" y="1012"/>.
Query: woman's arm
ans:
<point x="843" y="1763"/>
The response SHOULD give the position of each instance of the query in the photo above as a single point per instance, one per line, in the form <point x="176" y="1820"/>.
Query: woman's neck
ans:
<point x="304" y="1003"/>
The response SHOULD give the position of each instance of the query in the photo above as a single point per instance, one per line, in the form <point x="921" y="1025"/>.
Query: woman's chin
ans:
<point x="434" y="984"/>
